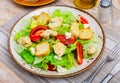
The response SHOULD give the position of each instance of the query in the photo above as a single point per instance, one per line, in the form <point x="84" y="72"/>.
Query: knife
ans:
<point x="112" y="73"/>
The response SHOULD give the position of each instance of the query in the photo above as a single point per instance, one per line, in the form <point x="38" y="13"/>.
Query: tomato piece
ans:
<point x="79" y="53"/>
<point x="83" y="20"/>
<point x="36" y="32"/>
<point x="39" y="32"/>
<point x="51" y="67"/>
<point x="65" y="41"/>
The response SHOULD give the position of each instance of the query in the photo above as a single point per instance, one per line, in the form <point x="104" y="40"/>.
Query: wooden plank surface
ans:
<point x="6" y="75"/>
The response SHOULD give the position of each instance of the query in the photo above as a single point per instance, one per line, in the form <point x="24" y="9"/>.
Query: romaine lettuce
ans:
<point x="67" y="16"/>
<point x="27" y="56"/>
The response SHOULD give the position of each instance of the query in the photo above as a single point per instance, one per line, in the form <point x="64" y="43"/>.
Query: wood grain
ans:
<point x="6" y="75"/>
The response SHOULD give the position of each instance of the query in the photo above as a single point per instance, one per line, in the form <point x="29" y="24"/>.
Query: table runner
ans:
<point x="112" y="37"/>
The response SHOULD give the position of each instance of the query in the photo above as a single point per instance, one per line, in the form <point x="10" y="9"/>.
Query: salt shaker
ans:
<point x="105" y="11"/>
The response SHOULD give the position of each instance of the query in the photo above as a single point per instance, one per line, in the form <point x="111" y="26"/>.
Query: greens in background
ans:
<point x="25" y="31"/>
<point x="67" y="16"/>
<point x="63" y="29"/>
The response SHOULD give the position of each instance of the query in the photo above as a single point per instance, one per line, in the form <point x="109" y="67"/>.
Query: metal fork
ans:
<point x="110" y="57"/>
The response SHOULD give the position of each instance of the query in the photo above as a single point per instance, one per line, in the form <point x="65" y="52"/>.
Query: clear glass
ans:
<point x="104" y="15"/>
<point x="85" y="4"/>
<point x="116" y="13"/>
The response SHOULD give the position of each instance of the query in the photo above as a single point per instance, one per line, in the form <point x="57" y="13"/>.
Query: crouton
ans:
<point x="55" y="23"/>
<point x="54" y="33"/>
<point x="46" y="34"/>
<point x="42" y="19"/>
<point x="75" y="29"/>
<point x="59" y="49"/>
<point x="86" y="34"/>
<point x="42" y="49"/>
<point x="25" y="41"/>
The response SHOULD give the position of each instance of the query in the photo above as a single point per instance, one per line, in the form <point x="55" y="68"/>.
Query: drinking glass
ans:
<point x="85" y="4"/>
<point x="116" y="13"/>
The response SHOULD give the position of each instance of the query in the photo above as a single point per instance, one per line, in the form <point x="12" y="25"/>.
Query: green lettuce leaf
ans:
<point x="70" y="48"/>
<point x="38" y="60"/>
<point x="33" y="24"/>
<point x="39" y="65"/>
<point x="25" y="31"/>
<point x="19" y="48"/>
<point x="27" y="56"/>
<point x="95" y="39"/>
<point x="67" y="16"/>
<point x="45" y="64"/>
<point x="63" y="29"/>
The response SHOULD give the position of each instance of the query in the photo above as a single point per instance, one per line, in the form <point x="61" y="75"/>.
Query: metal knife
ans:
<point x="114" y="71"/>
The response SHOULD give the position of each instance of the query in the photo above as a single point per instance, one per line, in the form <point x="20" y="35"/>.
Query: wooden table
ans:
<point x="10" y="72"/>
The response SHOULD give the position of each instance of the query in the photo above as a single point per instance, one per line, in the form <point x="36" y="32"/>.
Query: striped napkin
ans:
<point x="112" y="37"/>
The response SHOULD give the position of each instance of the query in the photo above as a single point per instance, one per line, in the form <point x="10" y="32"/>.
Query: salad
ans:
<point x="57" y="41"/>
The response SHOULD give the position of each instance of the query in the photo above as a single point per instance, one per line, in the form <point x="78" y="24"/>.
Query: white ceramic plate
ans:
<point x="95" y="26"/>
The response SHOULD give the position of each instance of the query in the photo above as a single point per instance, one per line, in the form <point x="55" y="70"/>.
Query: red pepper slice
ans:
<point x="79" y="53"/>
<point x="83" y="20"/>
<point x="36" y="32"/>
<point x="51" y="67"/>
<point x="65" y="41"/>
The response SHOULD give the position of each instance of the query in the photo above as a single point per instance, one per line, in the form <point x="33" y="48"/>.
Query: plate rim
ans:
<point x="66" y="75"/>
<point x="15" y="1"/>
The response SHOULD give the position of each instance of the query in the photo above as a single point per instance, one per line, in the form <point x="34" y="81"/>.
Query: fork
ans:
<point x="110" y="57"/>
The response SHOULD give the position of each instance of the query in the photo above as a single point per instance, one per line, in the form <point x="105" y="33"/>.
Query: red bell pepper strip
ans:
<point x="79" y="53"/>
<point x="36" y="32"/>
<point x="83" y="20"/>
<point x="65" y="41"/>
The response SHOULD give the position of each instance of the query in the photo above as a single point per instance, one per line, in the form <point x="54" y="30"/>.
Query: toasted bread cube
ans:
<point x="42" y="49"/>
<point x="75" y="29"/>
<point x="54" y="33"/>
<point x="42" y="19"/>
<point x="86" y="34"/>
<point x="46" y="34"/>
<point x="59" y="49"/>
<point x="25" y="41"/>
<point x="55" y="23"/>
